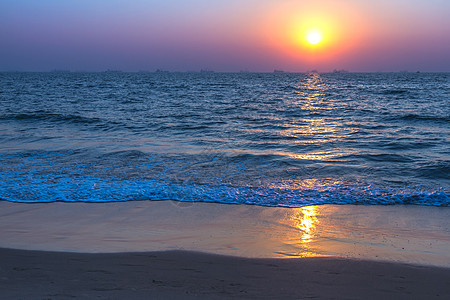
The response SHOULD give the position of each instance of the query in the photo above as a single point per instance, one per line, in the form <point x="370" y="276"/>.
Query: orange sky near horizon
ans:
<point x="343" y="28"/>
<point x="232" y="35"/>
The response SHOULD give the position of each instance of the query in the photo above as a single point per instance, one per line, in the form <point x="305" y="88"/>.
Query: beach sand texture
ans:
<point x="148" y="258"/>
<point x="189" y="275"/>
<point x="409" y="234"/>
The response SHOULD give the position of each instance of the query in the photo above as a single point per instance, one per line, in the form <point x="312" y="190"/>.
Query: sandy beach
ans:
<point x="173" y="250"/>
<point x="188" y="275"/>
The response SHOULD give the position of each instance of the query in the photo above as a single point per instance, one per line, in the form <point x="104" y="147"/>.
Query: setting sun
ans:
<point x="314" y="37"/>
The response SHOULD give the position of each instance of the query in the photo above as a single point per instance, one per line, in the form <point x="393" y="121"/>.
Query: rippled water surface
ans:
<point x="265" y="139"/>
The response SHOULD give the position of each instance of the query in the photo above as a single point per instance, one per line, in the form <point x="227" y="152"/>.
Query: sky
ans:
<point x="225" y="35"/>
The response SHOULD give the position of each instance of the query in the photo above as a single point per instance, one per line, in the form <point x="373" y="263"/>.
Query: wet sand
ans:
<point x="359" y="252"/>
<point x="409" y="234"/>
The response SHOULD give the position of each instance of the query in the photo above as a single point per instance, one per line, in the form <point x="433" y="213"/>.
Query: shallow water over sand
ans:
<point x="411" y="234"/>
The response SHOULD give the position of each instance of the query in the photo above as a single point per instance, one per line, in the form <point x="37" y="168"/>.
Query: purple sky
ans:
<point x="223" y="35"/>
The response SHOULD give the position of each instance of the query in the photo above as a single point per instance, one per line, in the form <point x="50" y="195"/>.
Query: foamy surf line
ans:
<point x="409" y="234"/>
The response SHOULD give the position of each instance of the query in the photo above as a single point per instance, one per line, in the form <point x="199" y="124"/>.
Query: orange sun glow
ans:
<point x="314" y="34"/>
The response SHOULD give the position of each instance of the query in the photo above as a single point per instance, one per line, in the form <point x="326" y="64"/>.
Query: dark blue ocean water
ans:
<point x="264" y="139"/>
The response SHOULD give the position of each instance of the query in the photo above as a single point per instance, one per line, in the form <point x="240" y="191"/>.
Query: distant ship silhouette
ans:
<point x="340" y="71"/>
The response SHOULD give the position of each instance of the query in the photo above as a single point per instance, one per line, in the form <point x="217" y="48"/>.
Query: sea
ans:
<point x="268" y="139"/>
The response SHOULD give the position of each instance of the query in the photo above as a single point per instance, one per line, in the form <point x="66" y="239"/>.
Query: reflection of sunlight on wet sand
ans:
<point x="306" y="221"/>
<point x="403" y="234"/>
<point x="408" y="234"/>
<point x="299" y="239"/>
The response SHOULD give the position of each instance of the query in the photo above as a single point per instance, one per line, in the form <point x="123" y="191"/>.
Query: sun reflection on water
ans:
<point x="311" y="99"/>
<point x="307" y="120"/>
<point x="306" y="184"/>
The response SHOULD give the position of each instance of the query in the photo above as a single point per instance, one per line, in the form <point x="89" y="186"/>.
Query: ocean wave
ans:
<point x="65" y="119"/>
<point x="260" y="139"/>
<point x="254" y="179"/>
<point x="411" y="117"/>
<point x="276" y="195"/>
<point x="436" y="170"/>
<point x="378" y="157"/>
<point x="407" y="145"/>
<point x="394" y="92"/>
<point x="416" y="117"/>
<point x="52" y="117"/>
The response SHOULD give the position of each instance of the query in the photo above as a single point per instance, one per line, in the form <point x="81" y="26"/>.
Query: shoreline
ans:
<point x="192" y="275"/>
<point x="405" y="234"/>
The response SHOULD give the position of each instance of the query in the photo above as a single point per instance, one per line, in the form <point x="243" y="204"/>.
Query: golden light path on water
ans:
<point x="313" y="130"/>
<point x="310" y="131"/>
<point x="304" y="220"/>
<point x="310" y="98"/>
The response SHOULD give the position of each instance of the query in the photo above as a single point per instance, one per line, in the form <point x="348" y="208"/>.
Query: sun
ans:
<point x="314" y="37"/>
